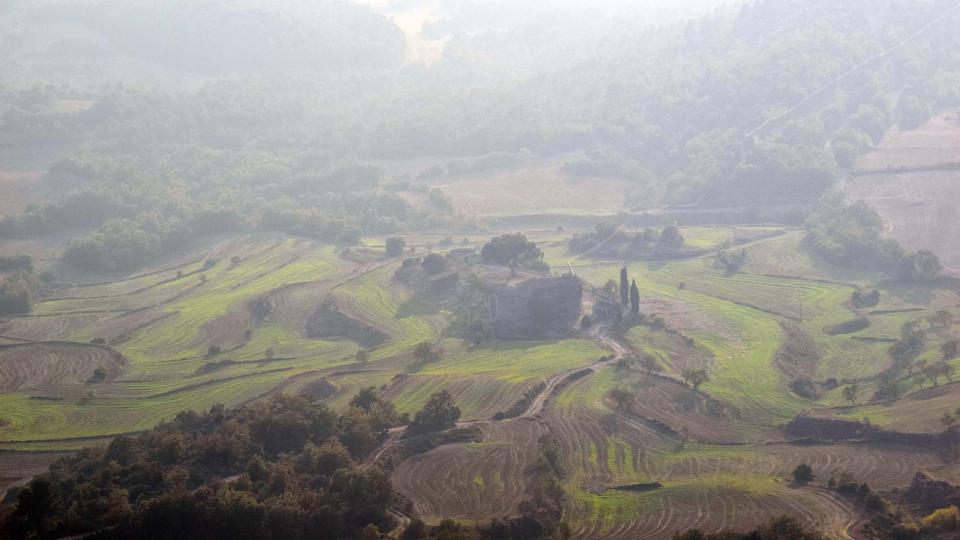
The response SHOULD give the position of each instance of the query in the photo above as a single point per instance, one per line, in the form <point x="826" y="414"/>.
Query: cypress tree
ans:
<point x="624" y="287"/>
<point x="634" y="298"/>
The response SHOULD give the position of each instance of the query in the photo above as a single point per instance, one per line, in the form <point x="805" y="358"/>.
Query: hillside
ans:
<point x="479" y="270"/>
<point x="912" y="179"/>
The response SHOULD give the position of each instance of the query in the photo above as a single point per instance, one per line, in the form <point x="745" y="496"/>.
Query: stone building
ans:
<point x="535" y="308"/>
<point x="607" y="309"/>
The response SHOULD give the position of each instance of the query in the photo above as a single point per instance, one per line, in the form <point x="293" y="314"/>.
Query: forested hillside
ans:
<point x="300" y="132"/>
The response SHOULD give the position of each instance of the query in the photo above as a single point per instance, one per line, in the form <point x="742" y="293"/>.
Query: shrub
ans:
<point x="944" y="519"/>
<point x="395" y="246"/>
<point x="803" y="473"/>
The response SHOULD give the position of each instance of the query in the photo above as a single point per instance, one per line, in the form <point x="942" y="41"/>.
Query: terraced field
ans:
<point x="54" y="367"/>
<point x="234" y="325"/>
<point x="472" y="481"/>
<point x="732" y="485"/>
<point x="911" y="179"/>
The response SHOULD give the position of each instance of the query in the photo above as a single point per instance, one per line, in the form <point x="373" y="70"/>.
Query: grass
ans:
<point x="161" y="377"/>
<point x="491" y="378"/>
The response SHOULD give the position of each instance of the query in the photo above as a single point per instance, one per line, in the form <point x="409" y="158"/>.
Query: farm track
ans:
<point x="482" y="480"/>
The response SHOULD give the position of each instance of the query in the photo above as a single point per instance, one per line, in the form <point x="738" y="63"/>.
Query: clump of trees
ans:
<point x="860" y="299"/>
<point x="851" y="235"/>
<point x="781" y="528"/>
<point x="427" y="353"/>
<point x="731" y="262"/>
<point x="919" y="266"/>
<point x="695" y="377"/>
<point x="611" y="241"/>
<point x="291" y="465"/>
<point x="439" y="413"/>
<point x="622" y="397"/>
<point x="395" y="246"/>
<point x="513" y="251"/>
<point x="19" y="285"/>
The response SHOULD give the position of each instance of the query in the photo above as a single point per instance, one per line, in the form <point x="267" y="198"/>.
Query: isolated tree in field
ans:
<point x="851" y="392"/>
<point x="99" y="375"/>
<point x="363" y="356"/>
<point x="634" y="298"/>
<point x="439" y="413"/>
<point x="434" y="263"/>
<point x="622" y="397"/>
<point x="946" y="369"/>
<point x="695" y="377"/>
<point x="624" y="287"/>
<point x="942" y="319"/>
<point x="950" y="349"/>
<point x="919" y="266"/>
<point x="426" y="352"/>
<point x="917" y="366"/>
<point x="365" y="398"/>
<point x="670" y="239"/>
<point x="395" y="246"/>
<point x="511" y="250"/>
<point x="803" y="474"/>
<point x="650" y="363"/>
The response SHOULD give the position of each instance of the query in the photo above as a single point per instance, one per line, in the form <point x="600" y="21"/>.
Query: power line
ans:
<point x="903" y="43"/>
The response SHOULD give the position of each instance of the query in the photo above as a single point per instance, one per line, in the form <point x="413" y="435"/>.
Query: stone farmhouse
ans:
<point x="536" y="308"/>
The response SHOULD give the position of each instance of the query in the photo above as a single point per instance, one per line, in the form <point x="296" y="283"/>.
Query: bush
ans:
<point x="395" y="246"/>
<point x="848" y="327"/>
<point x="439" y="413"/>
<point x="803" y="473"/>
<point x="944" y="519"/>
<point x="434" y="263"/>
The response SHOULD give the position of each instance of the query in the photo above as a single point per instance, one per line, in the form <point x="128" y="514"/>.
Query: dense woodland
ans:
<point x="286" y="468"/>
<point x="287" y="137"/>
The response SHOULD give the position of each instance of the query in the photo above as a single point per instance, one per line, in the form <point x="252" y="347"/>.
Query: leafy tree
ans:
<point x="434" y="263"/>
<point x="427" y="353"/>
<point x="622" y="397"/>
<point x="439" y="413"/>
<point x="919" y="266"/>
<point x="650" y="364"/>
<point x="950" y="349"/>
<point x="362" y="356"/>
<point x="851" y="392"/>
<point x="634" y="298"/>
<point x="803" y="473"/>
<point x="395" y="246"/>
<point x="99" y="375"/>
<point x="513" y="251"/>
<point x="670" y="239"/>
<point x="695" y="377"/>
<point x="942" y="318"/>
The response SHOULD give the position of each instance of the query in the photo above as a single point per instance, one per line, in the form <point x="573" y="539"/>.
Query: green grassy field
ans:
<point x="721" y="453"/>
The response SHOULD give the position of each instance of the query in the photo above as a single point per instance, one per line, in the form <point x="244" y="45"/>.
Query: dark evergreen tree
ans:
<point x="624" y="287"/>
<point x="634" y="298"/>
